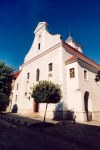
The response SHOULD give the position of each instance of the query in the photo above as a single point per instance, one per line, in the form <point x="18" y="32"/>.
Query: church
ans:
<point x="62" y="62"/>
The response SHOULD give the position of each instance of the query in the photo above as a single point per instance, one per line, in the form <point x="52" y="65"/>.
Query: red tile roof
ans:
<point x="71" y="59"/>
<point x="16" y="74"/>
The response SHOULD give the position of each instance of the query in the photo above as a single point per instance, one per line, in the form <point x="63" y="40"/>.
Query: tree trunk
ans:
<point x="45" y="112"/>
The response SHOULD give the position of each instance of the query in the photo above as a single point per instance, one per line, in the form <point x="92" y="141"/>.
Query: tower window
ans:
<point x="28" y="75"/>
<point x="50" y="67"/>
<point x="37" y="74"/>
<point x="72" y="72"/>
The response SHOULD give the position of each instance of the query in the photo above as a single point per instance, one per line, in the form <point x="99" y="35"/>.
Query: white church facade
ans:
<point x="62" y="62"/>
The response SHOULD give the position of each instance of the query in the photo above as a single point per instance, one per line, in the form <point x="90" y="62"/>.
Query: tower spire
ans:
<point x="69" y="32"/>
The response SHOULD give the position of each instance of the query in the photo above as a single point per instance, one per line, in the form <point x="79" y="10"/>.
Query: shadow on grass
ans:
<point x="36" y="123"/>
<point x="19" y="120"/>
<point x="25" y="121"/>
<point x="76" y="133"/>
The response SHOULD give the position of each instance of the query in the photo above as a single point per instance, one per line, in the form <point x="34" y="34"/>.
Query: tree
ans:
<point x="5" y="84"/>
<point x="97" y="78"/>
<point x="46" y="92"/>
<point x="3" y="101"/>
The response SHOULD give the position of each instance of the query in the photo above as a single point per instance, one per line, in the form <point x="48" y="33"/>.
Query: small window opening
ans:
<point x="38" y="46"/>
<point x="50" y="67"/>
<point x="85" y="74"/>
<point x="28" y="75"/>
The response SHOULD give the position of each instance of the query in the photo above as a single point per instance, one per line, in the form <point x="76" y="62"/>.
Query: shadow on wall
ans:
<point x="70" y="115"/>
<point x="66" y="114"/>
<point x="58" y="113"/>
<point x="15" y="108"/>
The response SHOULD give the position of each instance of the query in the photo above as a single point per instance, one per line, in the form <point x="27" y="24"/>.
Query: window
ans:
<point x="39" y="42"/>
<point x="72" y="72"/>
<point x="28" y="75"/>
<point x="38" y="46"/>
<point x="17" y="86"/>
<point x="37" y="74"/>
<point x="85" y="74"/>
<point x="50" y="67"/>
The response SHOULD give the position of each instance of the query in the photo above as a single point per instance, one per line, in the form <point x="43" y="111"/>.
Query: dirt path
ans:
<point x="25" y="139"/>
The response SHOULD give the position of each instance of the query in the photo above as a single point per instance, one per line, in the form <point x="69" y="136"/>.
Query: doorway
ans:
<point x="87" y="106"/>
<point x="36" y="107"/>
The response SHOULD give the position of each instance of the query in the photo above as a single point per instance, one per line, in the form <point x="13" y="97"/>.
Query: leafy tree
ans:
<point x="46" y="92"/>
<point x="5" y="83"/>
<point x="3" y="101"/>
<point x="97" y="78"/>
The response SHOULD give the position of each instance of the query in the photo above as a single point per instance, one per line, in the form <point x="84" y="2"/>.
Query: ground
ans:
<point x="23" y="133"/>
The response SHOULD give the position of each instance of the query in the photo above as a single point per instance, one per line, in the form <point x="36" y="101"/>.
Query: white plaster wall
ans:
<point x="22" y="102"/>
<point x="92" y="87"/>
<point x="65" y="56"/>
<point x="73" y="94"/>
<point x="55" y="57"/>
<point x="74" y="98"/>
<point x="47" y="41"/>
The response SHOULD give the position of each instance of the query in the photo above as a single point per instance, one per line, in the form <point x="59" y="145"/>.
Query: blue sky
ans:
<point x="19" y="18"/>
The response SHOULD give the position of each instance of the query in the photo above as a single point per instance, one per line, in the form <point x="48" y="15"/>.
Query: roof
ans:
<point x="71" y="59"/>
<point x="78" y="55"/>
<point x="16" y="74"/>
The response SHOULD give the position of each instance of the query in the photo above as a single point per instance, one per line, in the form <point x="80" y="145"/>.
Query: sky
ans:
<point x="19" y="18"/>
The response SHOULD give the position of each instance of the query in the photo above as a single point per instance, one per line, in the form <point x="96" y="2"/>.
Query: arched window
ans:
<point x="28" y="75"/>
<point x="37" y="74"/>
<point x="38" y="46"/>
<point x="50" y="67"/>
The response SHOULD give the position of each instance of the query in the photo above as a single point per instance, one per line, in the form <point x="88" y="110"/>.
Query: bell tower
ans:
<point x="73" y="43"/>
